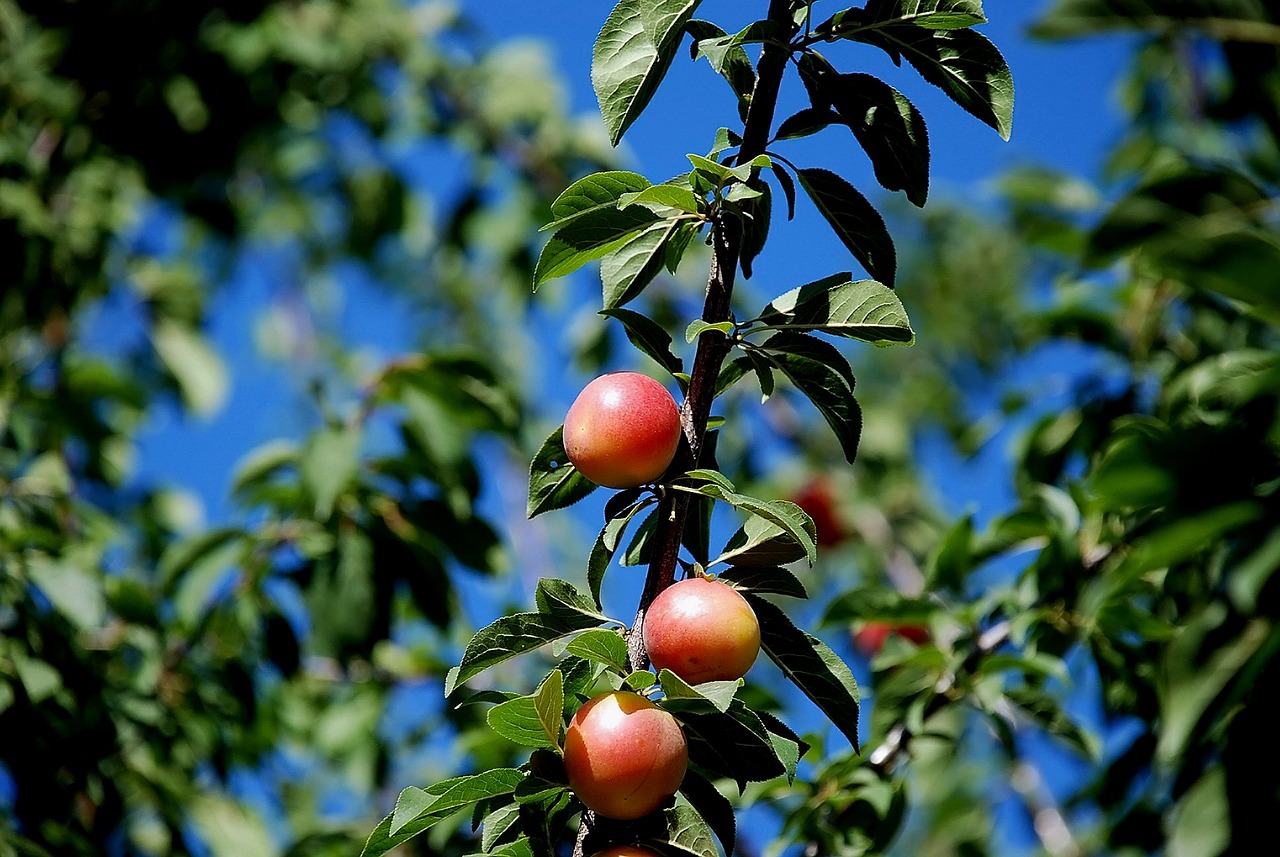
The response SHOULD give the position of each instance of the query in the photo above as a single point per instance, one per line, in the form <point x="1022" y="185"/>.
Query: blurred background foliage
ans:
<point x="1085" y="668"/>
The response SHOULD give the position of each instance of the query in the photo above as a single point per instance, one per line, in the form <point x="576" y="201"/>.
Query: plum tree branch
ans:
<point x="713" y="347"/>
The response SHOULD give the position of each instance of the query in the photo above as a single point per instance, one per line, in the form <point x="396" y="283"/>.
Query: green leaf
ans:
<point x="687" y="833"/>
<point x="732" y="744"/>
<point x="229" y="829"/>
<point x="862" y="309"/>
<point x="788" y="186"/>
<point x="531" y="721"/>
<point x="1202" y="818"/>
<point x="606" y="545"/>
<point x="806" y="123"/>
<point x="632" y="54"/>
<point x="497" y="823"/>
<point x="756" y="222"/>
<point x="264" y="462"/>
<point x="409" y="805"/>
<point x="330" y="461"/>
<point x="785" y="514"/>
<point x="75" y="592"/>
<point x="857" y="224"/>
<point x="962" y="63"/>
<point x="450" y="796"/>
<point x="810" y="665"/>
<point x="771" y="579"/>
<point x="716" y="694"/>
<point x="549" y="702"/>
<point x="933" y="14"/>
<point x="589" y="236"/>
<point x="626" y="271"/>
<point x="602" y="645"/>
<point x="554" y="482"/>
<point x="888" y="127"/>
<point x="199" y="371"/>
<point x="760" y="542"/>
<point x="514" y="635"/>
<point x="698" y="327"/>
<point x="786" y="743"/>
<point x="820" y="372"/>
<point x="597" y="192"/>
<point x="668" y="195"/>
<point x="714" y="808"/>
<point x="729" y="60"/>
<point x="638" y="551"/>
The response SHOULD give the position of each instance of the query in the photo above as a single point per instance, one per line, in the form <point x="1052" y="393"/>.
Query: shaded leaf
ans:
<point x="554" y="482"/>
<point x="857" y="224"/>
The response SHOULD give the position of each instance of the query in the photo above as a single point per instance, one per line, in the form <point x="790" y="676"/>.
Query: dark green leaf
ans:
<point x="771" y="579"/>
<point x="589" y="236"/>
<point x="962" y="63"/>
<point x="755" y="226"/>
<point x="687" y="833"/>
<point x="449" y="797"/>
<point x="626" y="271"/>
<point x="810" y="665"/>
<point x="514" y="635"/>
<point x="889" y="128"/>
<point x="858" y="225"/>
<point x="554" y="482"/>
<point x="820" y="372"/>
<point x="648" y="336"/>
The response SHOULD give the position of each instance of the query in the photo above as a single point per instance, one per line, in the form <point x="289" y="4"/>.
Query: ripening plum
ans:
<point x="623" y="430"/>
<point x="702" y="630"/>
<point x="624" y="755"/>
<point x="871" y="637"/>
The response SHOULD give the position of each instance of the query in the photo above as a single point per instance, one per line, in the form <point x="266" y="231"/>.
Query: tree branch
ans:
<point x="713" y="347"/>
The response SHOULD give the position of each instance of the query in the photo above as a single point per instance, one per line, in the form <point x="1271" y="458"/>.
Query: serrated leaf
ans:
<point x="514" y="635"/>
<point x="706" y="474"/>
<point x="760" y="542"/>
<point x="648" y="336"/>
<point x="822" y="373"/>
<point x="787" y="515"/>
<point x="962" y="63"/>
<point x="409" y="805"/>
<point x="640" y="681"/>
<point x="806" y="122"/>
<point x="687" y="833"/>
<point x="554" y="482"/>
<point x="638" y="551"/>
<point x="626" y="271"/>
<point x="786" y="743"/>
<point x="931" y="14"/>
<point x="729" y="60"/>
<point x="598" y="191"/>
<point x="811" y="665"/>
<point x="450" y="796"/>
<point x="757" y="219"/>
<point x="668" y="195"/>
<point x="557" y="597"/>
<point x="632" y="54"/>
<point x="602" y="645"/>
<point x="856" y="222"/>
<point x="788" y="186"/>
<point x="771" y="579"/>
<point x="519" y="721"/>
<point x="732" y="744"/>
<point x="714" y="808"/>
<point x="717" y="694"/>
<point x="863" y="309"/>
<point x="548" y="700"/>
<point x="886" y="124"/>
<point x="606" y="544"/>
<point x="584" y="239"/>
<point x="497" y="823"/>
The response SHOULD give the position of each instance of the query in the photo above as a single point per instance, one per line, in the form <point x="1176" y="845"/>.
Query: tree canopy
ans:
<point x="1080" y="672"/>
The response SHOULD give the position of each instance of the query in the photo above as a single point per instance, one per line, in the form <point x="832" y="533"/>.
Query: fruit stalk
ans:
<point x="713" y="347"/>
